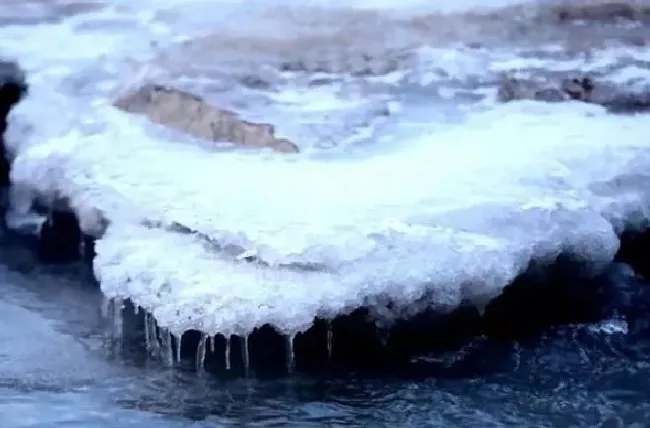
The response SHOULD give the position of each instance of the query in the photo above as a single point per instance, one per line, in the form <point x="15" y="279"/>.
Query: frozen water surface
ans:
<point x="411" y="184"/>
<point x="419" y="212"/>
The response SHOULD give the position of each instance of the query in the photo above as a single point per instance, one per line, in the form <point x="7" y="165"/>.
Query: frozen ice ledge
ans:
<point x="500" y="226"/>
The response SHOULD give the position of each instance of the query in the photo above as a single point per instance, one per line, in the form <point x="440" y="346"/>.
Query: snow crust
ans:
<point x="454" y="212"/>
<point x="455" y="215"/>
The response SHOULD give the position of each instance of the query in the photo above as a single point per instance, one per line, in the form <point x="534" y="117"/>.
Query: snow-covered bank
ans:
<point x="455" y="215"/>
<point x="441" y="213"/>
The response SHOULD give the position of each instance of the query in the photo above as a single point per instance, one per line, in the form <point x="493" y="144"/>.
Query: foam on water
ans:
<point x="456" y="213"/>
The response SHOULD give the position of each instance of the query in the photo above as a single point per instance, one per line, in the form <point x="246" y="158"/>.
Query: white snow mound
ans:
<point x="450" y="212"/>
<point x="456" y="214"/>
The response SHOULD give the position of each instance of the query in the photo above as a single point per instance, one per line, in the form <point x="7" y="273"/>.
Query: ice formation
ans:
<point x="472" y="203"/>
<point x="452" y="212"/>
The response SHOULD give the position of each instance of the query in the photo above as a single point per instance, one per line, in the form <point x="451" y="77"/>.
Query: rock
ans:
<point x="13" y="88"/>
<point x="614" y="98"/>
<point x="511" y="89"/>
<point x="602" y="10"/>
<point x="620" y="101"/>
<point x="578" y="89"/>
<point x="193" y="115"/>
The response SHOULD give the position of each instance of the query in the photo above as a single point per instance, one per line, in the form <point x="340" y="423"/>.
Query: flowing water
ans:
<point x="413" y="185"/>
<point x="58" y="372"/>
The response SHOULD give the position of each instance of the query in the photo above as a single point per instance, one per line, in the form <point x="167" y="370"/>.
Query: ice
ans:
<point x="291" y="355"/>
<point x="200" y="353"/>
<point x="245" y="354"/>
<point x="611" y="327"/>
<point x="454" y="215"/>
<point x="329" y="341"/>
<point x="179" y="344"/>
<point x="227" y="353"/>
<point x="166" y="343"/>
<point x="152" y="340"/>
<point x="224" y="242"/>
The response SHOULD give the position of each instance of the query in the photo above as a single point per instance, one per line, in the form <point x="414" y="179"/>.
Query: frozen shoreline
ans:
<point x="573" y="192"/>
<point x="452" y="215"/>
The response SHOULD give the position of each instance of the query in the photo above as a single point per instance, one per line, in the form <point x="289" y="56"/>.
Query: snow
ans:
<point x="453" y="212"/>
<point x="455" y="215"/>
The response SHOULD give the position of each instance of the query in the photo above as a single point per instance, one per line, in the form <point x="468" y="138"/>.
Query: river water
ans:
<point x="56" y="366"/>
<point x="57" y="371"/>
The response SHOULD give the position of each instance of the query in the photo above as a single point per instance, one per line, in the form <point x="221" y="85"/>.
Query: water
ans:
<point x="58" y="371"/>
<point x="443" y="200"/>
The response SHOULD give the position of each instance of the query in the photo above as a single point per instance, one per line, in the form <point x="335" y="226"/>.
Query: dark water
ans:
<point x="55" y="371"/>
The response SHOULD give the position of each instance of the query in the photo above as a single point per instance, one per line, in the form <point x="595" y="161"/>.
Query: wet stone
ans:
<point x="615" y="98"/>
<point x="603" y="10"/>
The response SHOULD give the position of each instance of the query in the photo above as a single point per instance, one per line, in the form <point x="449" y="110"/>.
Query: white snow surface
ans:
<point x="453" y="211"/>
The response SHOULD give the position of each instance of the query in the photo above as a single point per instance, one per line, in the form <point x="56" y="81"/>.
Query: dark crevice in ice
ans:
<point x="13" y="88"/>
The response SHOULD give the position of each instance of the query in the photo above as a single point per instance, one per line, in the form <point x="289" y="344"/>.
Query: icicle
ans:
<point x="212" y="344"/>
<point x="167" y="352"/>
<point x="154" y="344"/>
<point x="147" y="333"/>
<point x="290" y="354"/>
<point x="330" y="334"/>
<point x="481" y="309"/>
<point x="179" y="340"/>
<point x="517" y="355"/>
<point x="105" y="308"/>
<point x="227" y="354"/>
<point x="200" y="353"/>
<point x="118" y="321"/>
<point x="244" y="352"/>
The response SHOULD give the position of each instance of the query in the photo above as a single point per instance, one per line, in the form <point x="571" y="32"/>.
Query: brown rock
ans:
<point x="193" y="115"/>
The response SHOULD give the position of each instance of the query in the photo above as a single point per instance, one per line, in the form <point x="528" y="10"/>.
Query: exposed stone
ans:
<point x="614" y="98"/>
<point x="602" y="10"/>
<point x="193" y="115"/>
<point x="578" y="89"/>
<point x="13" y="88"/>
<point x="511" y="89"/>
<point x="621" y="101"/>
